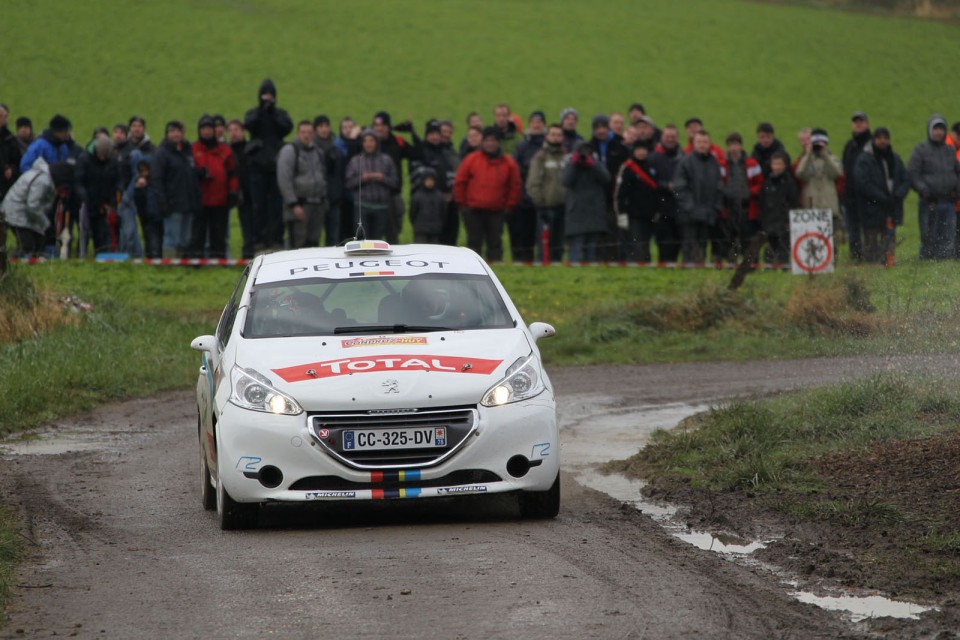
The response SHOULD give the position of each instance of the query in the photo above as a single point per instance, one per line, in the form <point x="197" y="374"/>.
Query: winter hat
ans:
<point x="537" y="114"/>
<point x="60" y="123"/>
<point x="600" y="120"/>
<point x="319" y="120"/>
<point x="859" y="115"/>
<point x="819" y="136"/>
<point x="219" y="120"/>
<point x="936" y="120"/>
<point x="369" y="133"/>
<point x="384" y="117"/>
<point x="24" y="121"/>
<point x="882" y="132"/>
<point x="569" y="111"/>
<point x="433" y="126"/>
<point x="428" y="172"/>
<point x="492" y="132"/>
<point x="136" y="119"/>
<point x="173" y="124"/>
<point x="206" y="120"/>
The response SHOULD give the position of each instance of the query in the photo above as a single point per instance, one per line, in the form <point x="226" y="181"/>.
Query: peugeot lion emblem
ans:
<point x="390" y="386"/>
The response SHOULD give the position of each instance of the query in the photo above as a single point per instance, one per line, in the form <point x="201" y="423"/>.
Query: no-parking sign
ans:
<point x="811" y="241"/>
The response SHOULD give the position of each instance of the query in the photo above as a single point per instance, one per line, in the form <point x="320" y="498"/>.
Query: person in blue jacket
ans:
<point x="53" y="145"/>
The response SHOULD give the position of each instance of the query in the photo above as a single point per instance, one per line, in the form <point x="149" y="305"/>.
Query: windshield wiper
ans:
<point x="390" y="328"/>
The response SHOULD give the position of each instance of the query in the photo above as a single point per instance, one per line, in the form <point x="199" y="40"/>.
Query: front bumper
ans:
<point x="266" y="458"/>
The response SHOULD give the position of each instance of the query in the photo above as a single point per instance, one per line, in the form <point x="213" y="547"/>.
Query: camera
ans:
<point x="818" y="148"/>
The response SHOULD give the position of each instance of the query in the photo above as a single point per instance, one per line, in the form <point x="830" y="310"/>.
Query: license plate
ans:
<point x="386" y="439"/>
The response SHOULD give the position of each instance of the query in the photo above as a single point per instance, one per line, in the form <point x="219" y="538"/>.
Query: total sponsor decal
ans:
<point x="413" y="362"/>
<point x="381" y="341"/>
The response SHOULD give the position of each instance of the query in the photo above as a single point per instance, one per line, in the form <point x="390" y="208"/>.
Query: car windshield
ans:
<point x="319" y="306"/>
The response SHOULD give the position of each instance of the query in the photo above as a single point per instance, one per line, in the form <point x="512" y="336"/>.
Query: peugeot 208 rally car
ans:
<point x="371" y="372"/>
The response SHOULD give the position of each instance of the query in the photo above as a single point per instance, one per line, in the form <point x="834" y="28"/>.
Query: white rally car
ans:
<point x="371" y="372"/>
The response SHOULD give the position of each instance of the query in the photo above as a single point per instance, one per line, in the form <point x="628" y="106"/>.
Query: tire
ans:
<point x="235" y="515"/>
<point x="208" y="496"/>
<point x="541" y="505"/>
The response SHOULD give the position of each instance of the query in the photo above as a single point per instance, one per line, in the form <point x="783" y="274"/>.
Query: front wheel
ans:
<point x="234" y="515"/>
<point x="541" y="505"/>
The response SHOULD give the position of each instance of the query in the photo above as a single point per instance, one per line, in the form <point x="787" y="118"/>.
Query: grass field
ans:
<point x="733" y="63"/>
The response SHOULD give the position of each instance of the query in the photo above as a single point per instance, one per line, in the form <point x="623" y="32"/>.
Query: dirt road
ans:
<point x="121" y="547"/>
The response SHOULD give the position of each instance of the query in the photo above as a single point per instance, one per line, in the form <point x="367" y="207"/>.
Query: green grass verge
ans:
<point x="11" y="547"/>
<point x="767" y="445"/>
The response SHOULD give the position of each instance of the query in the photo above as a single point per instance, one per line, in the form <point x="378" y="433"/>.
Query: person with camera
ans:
<point x="585" y="216"/>
<point x="267" y="125"/>
<point x="818" y="171"/>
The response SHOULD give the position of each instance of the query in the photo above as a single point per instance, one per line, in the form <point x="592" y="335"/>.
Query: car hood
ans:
<point x="350" y="373"/>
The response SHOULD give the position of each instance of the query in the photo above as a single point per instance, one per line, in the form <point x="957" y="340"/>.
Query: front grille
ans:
<point x="455" y="423"/>
<point x="335" y="483"/>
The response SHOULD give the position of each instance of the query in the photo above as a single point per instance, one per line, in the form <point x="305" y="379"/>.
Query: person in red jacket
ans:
<point x="487" y="188"/>
<point x="217" y="173"/>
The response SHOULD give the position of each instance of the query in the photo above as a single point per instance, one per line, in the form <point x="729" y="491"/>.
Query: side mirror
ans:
<point x="208" y="345"/>
<point x="542" y="330"/>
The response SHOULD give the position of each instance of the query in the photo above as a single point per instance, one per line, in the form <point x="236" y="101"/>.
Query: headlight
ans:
<point x="523" y="380"/>
<point x="253" y="391"/>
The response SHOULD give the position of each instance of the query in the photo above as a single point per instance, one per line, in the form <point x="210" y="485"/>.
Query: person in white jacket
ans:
<point x="28" y="207"/>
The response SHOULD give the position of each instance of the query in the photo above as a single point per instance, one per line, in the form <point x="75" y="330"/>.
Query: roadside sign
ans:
<point x="811" y="241"/>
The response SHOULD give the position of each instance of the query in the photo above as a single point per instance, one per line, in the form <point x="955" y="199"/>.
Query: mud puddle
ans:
<point x="596" y="429"/>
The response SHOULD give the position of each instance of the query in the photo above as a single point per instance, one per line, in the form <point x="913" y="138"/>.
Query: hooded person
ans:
<point x="373" y="177"/>
<point x="217" y="175"/>
<point x="267" y="125"/>
<point x="428" y="209"/>
<point x="882" y="184"/>
<point x="935" y="176"/>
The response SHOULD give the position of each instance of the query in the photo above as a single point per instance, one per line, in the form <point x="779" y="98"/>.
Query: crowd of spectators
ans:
<point x="624" y="190"/>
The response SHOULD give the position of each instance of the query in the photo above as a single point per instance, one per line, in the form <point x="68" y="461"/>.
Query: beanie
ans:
<point x="569" y="111"/>
<point x="173" y="124"/>
<point x="60" y="123"/>
<point x="206" y="120"/>
<point x="493" y="132"/>
<point x="600" y="120"/>
<point x="24" y="121"/>
<point x="433" y="126"/>
<point x="538" y="114"/>
<point x="384" y="117"/>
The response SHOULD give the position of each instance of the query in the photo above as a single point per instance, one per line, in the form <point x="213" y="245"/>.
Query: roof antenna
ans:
<point x="359" y="234"/>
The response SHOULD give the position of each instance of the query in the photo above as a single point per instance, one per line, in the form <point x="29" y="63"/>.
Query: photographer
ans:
<point x="818" y="171"/>
<point x="268" y="125"/>
<point x="586" y="179"/>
